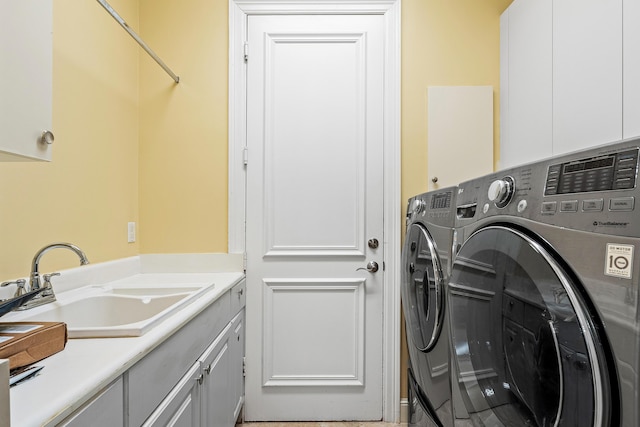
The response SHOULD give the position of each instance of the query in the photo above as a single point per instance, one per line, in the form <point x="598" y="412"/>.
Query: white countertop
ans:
<point x="85" y="366"/>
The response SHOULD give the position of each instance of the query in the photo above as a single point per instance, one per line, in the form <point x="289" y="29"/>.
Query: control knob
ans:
<point x="417" y="206"/>
<point x="501" y="191"/>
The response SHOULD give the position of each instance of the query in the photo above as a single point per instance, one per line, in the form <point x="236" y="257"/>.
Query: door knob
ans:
<point x="371" y="267"/>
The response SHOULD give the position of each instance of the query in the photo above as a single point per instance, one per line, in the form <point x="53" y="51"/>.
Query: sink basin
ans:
<point x="151" y="291"/>
<point x="121" y="311"/>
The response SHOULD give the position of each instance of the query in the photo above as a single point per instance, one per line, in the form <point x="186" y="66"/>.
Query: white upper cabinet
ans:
<point x="631" y="68"/>
<point x="587" y="73"/>
<point x="525" y="81"/>
<point x="25" y="79"/>
<point x="460" y="127"/>
<point x="566" y="82"/>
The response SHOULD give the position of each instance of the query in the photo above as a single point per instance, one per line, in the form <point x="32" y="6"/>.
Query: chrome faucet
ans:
<point x="47" y="294"/>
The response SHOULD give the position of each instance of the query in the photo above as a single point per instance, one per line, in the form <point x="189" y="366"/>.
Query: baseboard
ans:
<point x="404" y="411"/>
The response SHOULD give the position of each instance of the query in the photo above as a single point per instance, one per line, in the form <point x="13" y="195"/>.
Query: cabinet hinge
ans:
<point x="246" y="52"/>
<point x="245" y="156"/>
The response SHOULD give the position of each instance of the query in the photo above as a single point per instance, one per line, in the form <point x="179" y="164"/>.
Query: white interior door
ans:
<point x="314" y="200"/>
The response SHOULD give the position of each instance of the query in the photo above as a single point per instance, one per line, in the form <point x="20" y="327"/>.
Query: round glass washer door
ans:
<point x="422" y="288"/>
<point x="525" y="352"/>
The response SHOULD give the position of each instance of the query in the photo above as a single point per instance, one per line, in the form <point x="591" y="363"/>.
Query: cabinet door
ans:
<point x="525" y="82"/>
<point x="106" y="409"/>
<point x="216" y="396"/>
<point x="460" y="127"/>
<point x="587" y="73"/>
<point x="153" y="377"/>
<point x="236" y="371"/>
<point x="25" y="78"/>
<point x="181" y="408"/>
<point x="631" y="70"/>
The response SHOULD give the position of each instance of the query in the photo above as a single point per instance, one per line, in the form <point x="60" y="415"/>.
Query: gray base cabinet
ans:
<point x="105" y="409"/>
<point x="215" y="362"/>
<point x="195" y="378"/>
<point x="182" y="407"/>
<point x="236" y="368"/>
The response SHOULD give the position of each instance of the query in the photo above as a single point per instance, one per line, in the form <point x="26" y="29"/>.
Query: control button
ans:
<point x="621" y="204"/>
<point x="569" y="206"/>
<point x="485" y="208"/>
<point x="592" y="205"/>
<point x="549" y="207"/>
<point x="522" y="205"/>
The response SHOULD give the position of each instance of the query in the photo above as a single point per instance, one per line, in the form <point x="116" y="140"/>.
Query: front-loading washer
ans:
<point x="543" y="296"/>
<point x="426" y="258"/>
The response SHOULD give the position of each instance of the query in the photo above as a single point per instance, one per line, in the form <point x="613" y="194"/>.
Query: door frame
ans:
<point x="239" y="10"/>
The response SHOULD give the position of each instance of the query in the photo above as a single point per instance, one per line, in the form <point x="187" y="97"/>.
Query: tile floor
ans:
<point x="319" y="424"/>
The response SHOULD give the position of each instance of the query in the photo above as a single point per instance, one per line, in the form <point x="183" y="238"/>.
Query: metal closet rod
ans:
<point x="137" y="38"/>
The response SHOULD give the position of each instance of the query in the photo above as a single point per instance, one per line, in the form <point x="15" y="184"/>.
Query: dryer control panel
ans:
<point x="615" y="171"/>
<point x="594" y="190"/>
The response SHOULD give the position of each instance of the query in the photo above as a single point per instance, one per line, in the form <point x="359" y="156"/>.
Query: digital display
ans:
<point x="441" y="200"/>
<point x="603" y="173"/>
<point x="589" y="165"/>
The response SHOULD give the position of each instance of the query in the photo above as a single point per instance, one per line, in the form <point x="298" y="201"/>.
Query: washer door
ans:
<point x="421" y="414"/>
<point x="525" y="350"/>
<point x="422" y="288"/>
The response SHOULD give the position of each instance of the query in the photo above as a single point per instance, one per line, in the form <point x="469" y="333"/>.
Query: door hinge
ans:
<point x="244" y="262"/>
<point x="245" y="156"/>
<point x="246" y="51"/>
<point x="244" y="366"/>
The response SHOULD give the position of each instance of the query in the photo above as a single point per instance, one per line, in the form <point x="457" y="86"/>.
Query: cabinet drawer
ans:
<point x="106" y="409"/>
<point x="238" y="297"/>
<point x="151" y="379"/>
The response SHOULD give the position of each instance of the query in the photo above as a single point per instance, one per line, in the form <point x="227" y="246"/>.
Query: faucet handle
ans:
<point x="20" y="283"/>
<point x="47" y="279"/>
<point x="48" y="289"/>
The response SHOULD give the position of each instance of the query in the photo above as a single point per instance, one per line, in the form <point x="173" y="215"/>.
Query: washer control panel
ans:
<point x="435" y="207"/>
<point x="594" y="190"/>
<point x="616" y="171"/>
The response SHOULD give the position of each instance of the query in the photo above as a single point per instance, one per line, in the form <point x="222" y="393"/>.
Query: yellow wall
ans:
<point x="183" y="127"/>
<point x="133" y="146"/>
<point x="89" y="192"/>
<point x="444" y="43"/>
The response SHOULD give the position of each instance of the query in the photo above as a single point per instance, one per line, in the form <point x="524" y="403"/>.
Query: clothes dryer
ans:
<point x="426" y="258"/>
<point x="543" y="294"/>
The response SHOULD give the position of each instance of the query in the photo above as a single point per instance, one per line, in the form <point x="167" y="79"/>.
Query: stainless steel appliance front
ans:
<point x="543" y="293"/>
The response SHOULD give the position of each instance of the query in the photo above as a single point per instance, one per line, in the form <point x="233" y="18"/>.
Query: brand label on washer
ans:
<point x="619" y="260"/>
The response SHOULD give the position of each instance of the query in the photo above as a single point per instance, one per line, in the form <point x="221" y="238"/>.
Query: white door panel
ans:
<point x="314" y="197"/>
